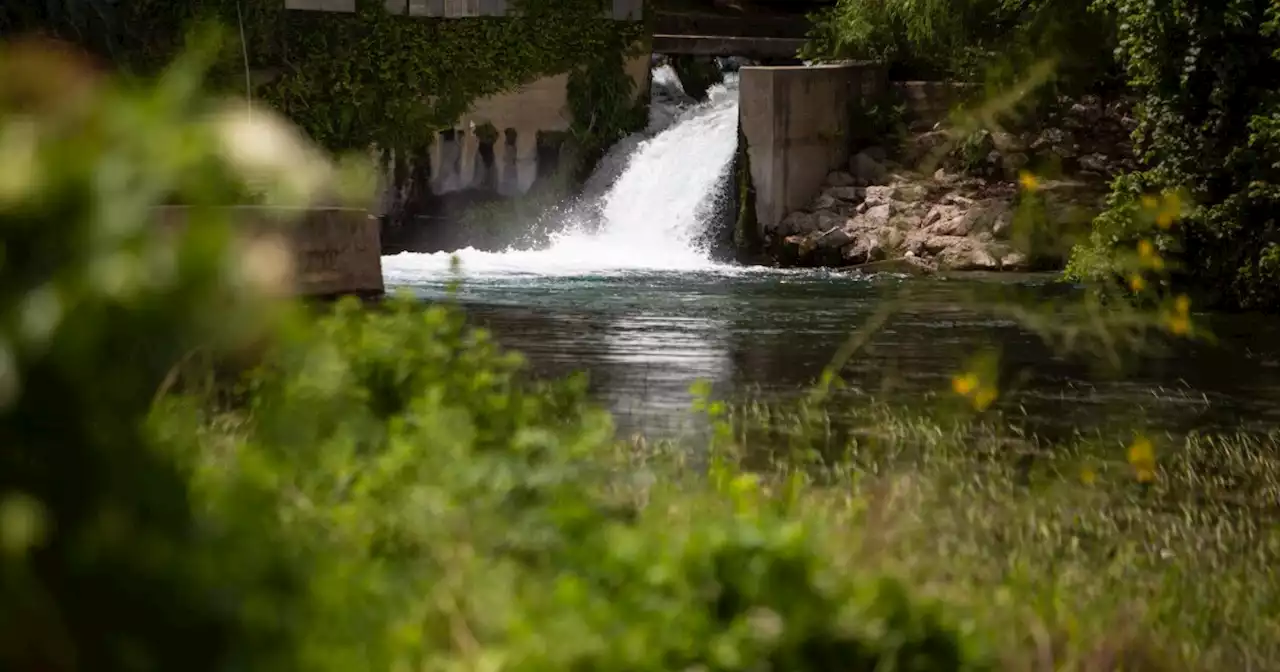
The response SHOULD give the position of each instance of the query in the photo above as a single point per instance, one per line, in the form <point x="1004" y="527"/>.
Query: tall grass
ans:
<point x="389" y="489"/>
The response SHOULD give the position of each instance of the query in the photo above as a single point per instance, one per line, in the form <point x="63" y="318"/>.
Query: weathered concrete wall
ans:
<point x="931" y="102"/>
<point x="621" y="10"/>
<point x="796" y="124"/>
<point x="457" y="162"/>
<point x="334" y="250"/>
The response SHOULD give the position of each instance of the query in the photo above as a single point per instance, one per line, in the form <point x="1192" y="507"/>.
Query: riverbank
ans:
<point x="500" y="518"/>
<point x="948" y="198"/>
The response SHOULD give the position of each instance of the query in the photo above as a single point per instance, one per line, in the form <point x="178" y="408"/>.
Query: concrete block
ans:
<point x="335" y="250"/>
<point x="434" y="8"/>
<point x="454" y="9"/>
<point x="796" y="121"/>
<point x="321" y="5"/>
<point x="397" y="7"/>
<point x="628" y="10"/>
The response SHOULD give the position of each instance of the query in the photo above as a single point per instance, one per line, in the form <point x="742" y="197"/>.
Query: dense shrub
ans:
<point x="448" y="507"/>
<point x="388" y="489"/>
<point x="1209" y="83"/>
<point x="973" y="40"/>
<point x="104" y="566"/>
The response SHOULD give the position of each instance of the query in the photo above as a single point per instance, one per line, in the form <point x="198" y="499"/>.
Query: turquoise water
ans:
<point x="645" y="337"/>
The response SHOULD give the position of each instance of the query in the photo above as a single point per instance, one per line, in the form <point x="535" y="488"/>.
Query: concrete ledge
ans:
<point x="796" y="121"/>
<point x="931" y="102"/>
<point x="336" y="251"/>
<point x="620" y="10"/>
<point x="747" y="25"/>
<point x="708" y="45"/>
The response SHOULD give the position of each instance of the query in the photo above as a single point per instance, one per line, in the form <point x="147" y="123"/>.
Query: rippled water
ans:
<point x="645" y="337"/>
<point x="630" y="295"/>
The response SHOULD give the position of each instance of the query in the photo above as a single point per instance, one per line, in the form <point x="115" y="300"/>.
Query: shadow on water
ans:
<point x="645" y="338"/>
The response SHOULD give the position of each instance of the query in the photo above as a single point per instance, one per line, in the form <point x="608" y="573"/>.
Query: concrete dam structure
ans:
<point x="795" y="119"/>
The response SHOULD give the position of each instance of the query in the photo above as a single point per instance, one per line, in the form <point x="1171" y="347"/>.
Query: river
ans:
<point x="645" y="337"/>
<point x="627" y="291"/>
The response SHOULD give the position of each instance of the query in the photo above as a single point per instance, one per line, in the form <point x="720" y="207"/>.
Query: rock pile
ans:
<point x="959" y="212"/>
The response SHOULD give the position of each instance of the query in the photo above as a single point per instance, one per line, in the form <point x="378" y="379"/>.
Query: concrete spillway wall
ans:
<point x="511" y="164"/>
<point x="332" y="251"/>
<point x="796" y="124"/>
<point x="621" y="10"/>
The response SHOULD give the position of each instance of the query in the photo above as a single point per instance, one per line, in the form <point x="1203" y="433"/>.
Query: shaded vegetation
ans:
<point x="1204" y="78"/>
<point x="389" y="489"/>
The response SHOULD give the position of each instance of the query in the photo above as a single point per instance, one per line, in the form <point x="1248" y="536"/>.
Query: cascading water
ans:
<point x="653" y="216"/>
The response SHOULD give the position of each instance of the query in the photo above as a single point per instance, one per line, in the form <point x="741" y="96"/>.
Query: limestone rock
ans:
<point x="878" y="194"/>
<point x="798" y="223"/>
<point x="966" y="255"/>
<point x="910" y="193"/>
<point x="1096" y="163"/>
<point x="835" y="238"/>
<point x="947" y="220"/>
<point x="839" y="178"/>
<point x="866" y="170"/>
<point x="1014" y="261"/>
<point x="846" y="194"/>
<point x="865" y="246"/>
<point x="873" y="217"/>
<point x="905" y="266"/>
<point x="960" y="216"/>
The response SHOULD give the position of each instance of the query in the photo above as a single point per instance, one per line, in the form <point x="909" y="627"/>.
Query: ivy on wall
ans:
<point x="355" y="81"/>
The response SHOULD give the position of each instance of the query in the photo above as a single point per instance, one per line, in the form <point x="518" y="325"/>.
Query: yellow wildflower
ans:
<point x="1142" y="457"/>
<point x="1137" y="283"/>
<point x="1178" y="322"/>
<point x="965" y="384"/>
<point x="983" y="398"/>
<point x="1087" y="476"/>
<point x="1147" y="254"/>
<point x="1169" y="211"/>
<point x="1182" y="304"/>
<point x="1149" y="202"/>
<point x="1028" y="181"/>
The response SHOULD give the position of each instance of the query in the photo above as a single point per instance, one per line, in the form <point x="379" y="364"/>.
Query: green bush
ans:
<point x="1206" y="74"/>
<point x="424" y="477"/>
<point x="972" y="40"/>
<point x="386" y="489"/>
<point x="105" y="565"/>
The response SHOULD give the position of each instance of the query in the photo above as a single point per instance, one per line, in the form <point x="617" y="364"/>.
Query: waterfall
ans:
<point x="654" y="213"/>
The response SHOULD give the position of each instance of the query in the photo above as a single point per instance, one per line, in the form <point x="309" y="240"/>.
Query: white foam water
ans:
<point x="654" y="216"/>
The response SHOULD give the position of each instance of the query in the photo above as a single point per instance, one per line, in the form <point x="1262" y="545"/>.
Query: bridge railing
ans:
<point x="620" y="10"/>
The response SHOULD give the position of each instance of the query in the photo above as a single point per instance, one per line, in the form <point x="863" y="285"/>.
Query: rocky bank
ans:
<point x="946" y="201"/>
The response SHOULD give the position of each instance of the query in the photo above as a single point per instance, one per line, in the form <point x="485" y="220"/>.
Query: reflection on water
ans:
<point x="644" y="338"/>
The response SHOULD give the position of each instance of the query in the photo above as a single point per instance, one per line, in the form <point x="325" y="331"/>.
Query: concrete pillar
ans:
<point x="500" y="170"/>
<point x="469" y="146"/>
<point x="526" y="158"/>
<point x="437" y="159"/>
<point x="796" y="123"/>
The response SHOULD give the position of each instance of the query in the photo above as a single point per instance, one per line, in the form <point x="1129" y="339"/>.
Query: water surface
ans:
<point x="645" y="337"/>
<point x="627" y="291"/>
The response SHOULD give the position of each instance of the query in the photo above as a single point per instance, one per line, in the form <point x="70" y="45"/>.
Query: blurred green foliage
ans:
<point x="372" y="79"/>
<point x="1207" y="77"/>
<point x="385" y="489"/>
<point x="98" y="304"/>
<point x="973" y="40"/>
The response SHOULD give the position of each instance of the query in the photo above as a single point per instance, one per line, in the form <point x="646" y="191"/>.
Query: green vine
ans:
<point x="374" y="79"/>
<point x="603" y="104"/>
<point x="746" y="232"/>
